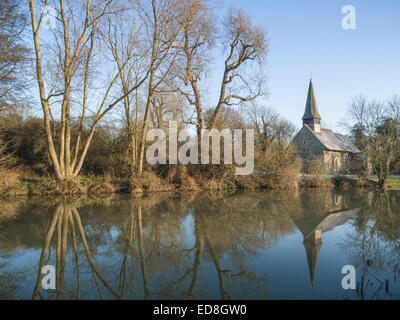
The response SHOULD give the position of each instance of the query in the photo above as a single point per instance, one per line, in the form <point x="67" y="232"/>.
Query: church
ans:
<point x="313" y="141"/>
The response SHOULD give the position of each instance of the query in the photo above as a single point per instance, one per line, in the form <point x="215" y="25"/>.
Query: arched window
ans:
<point x="336" y="166"/>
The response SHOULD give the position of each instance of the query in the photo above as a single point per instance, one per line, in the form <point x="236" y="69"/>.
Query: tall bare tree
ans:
<point x="74" y="43"/>
<point x="13" y="51"/>
<point x="375" y="128"/>
<point x="123" y="38"/>
<point x="163" y="24"/>
<point x="245" y="45"/>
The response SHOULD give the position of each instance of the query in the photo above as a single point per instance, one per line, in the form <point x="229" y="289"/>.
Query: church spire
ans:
<point x="311" y="115"/>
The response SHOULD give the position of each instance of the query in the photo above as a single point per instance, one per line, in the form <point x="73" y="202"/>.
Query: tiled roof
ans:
<point x="335" y="141"/>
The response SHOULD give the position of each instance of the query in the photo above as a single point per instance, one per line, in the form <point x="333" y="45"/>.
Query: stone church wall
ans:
<point x="337" y="162"/>
<point x="308" y="146"/>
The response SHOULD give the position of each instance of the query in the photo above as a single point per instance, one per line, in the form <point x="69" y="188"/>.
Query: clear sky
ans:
<point x="307" y="37"/>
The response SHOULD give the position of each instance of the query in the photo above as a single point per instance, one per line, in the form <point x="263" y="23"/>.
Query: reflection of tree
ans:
<point x="64" y="218"/>
<point x="228" y="232"/>
<point x="375" y="246"/>
<point x="8" y="211"/>
<point x="222" y="230"/>
<point x="165" y="246"/>
<point x="222" y="273"/>
<point x="141" y="251"/>
<point x="199" y="244"/>
<point x="140" y="236"/>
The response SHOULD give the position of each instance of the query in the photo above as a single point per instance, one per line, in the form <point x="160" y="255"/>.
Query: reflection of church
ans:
<point x="314" y="221"/>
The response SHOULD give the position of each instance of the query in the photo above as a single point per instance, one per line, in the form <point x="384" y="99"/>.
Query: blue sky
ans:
<point x="307" y="36"/>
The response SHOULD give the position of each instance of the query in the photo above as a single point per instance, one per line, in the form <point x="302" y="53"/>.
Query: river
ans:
<point x="241" y="245"/>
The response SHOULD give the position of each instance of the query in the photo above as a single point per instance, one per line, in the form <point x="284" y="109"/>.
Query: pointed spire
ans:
<point x="311" y="111"/>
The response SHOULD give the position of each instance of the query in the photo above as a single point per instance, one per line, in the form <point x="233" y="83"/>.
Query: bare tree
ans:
<point x="162" y="20"/>
<point x="270" y="126"/>
<point x="123" y="38"/>
<point x="75" y="47"/>
<point x="375" y="128"/>
<point x="126" y="40"/>
<point x="245" y="45"/>
<point x="5" y="156"/>
<point x="13" y="51"/>
<point x="166" y="106"/>
<point x="199" y="38"/>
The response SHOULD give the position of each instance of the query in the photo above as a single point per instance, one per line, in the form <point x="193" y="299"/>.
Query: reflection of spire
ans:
<point x="312" y="228"/>
<point x="312" y="243"/>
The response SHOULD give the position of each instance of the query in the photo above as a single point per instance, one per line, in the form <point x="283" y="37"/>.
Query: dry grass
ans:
<point x="102" y="188"/>
<point x="97" y="185"/>
<point x="214" y="177"/>
<point x="251" y="182"/>
<point x="52" y="188"/>
<point x="8" y="180"/>
<point x="148" y="181"/>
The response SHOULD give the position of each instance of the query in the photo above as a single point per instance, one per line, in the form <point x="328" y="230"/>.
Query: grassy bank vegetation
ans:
<point x="108" y="166"/>
<point x="25" y="167"/>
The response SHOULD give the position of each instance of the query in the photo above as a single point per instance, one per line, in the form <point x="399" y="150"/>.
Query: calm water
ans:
<point x="264" y="245"/>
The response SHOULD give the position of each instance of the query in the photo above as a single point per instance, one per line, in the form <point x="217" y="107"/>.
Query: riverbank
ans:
<point x="179" y="182"/>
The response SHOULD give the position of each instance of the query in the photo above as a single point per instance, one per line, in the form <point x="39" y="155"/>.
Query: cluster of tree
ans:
<point x="375" y="129"/>
<point x="147" y="56"/>
<point x="143" y="61"/>
<point x="25" y="145"/>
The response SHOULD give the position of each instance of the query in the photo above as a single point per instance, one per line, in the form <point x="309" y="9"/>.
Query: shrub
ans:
<point x="251" y="182"/>
<point x="148" y="181"/>
<point x="360" y="167"/>
<point x="8" y="180"/>
<point x="279" y="166"/>
<point x="345" y="182"/>
<point x="214" y="177"/>
<point x="317" y="170"/>
<point x="8" y="177"/>
<point x="52" y="187"/>
<point x="179" y="177"/>
<point x="97" y="185"/>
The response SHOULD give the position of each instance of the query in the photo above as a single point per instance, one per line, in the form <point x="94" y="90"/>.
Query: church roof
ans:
<point x="311" y="111"/>
<point x="335" y="141"/>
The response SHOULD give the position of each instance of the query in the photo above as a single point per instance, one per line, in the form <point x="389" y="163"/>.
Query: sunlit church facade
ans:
<point x="312" y="141"/>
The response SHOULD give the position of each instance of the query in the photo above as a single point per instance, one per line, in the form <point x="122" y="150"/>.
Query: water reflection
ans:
<point x="190" y="246"/>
